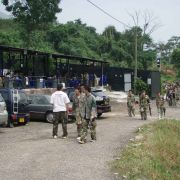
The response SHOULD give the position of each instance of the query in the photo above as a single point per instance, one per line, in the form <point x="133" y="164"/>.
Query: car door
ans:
<point x="34" y="107"/>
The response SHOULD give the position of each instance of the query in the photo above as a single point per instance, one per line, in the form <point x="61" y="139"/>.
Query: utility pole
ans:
<point x="135" y="59"/>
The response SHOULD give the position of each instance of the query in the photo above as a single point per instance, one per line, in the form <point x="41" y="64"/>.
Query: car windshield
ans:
<point x="98" y="93"/>
<point x="71" y="95"/>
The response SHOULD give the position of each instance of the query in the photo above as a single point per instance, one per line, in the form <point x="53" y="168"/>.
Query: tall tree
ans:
<point x="176" y="61"/>
<point x="33" y="15"/>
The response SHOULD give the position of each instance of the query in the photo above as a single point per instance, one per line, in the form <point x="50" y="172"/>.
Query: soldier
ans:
<point x="131" y="103"/>
<point x="144" y="104"/>
<point x="1" y="82"/>
<point x="160" y="103"/>
<point x="177" y="94"/>
<point x="78" y="104"/>
<point x="89" y="116"/>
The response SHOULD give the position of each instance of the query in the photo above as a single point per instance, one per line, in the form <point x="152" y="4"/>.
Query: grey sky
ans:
<point x="167" y="12"/>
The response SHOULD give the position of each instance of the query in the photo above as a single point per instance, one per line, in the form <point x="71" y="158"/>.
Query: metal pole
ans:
<point x="1" y="62"/>
<point x="135" y="56"/>
<point x="102" y="71"/>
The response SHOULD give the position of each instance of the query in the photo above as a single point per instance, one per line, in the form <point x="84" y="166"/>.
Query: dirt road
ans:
<point x="30" y="153"/>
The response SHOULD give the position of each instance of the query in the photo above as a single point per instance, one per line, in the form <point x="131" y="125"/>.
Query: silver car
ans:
<point x="3" y="112"/>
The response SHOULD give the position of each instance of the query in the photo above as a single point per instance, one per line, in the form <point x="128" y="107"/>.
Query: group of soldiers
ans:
<point x="172" y="91"/>
<point x="84" y="106"/>
<point x="145" y="105"/>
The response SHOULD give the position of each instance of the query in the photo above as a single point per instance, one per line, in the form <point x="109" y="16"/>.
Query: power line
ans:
<point x="105" y="12"/>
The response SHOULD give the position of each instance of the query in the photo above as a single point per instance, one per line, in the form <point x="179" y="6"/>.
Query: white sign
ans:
<point x="149" y="81"/>
<point x="127" y="78"/>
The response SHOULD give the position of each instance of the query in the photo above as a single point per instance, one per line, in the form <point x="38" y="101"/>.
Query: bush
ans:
<point x="140" y="85"/>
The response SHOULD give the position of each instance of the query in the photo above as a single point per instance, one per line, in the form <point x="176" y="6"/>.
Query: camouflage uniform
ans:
<point x="160" y="103"/>
<point x="130" y="104"/>
<point x="144" y="104"/>
<point x="78" y="105"/>
<point x="177" y="94"/>
<point x="1" y="82"/>
<point x="89" y="114"/>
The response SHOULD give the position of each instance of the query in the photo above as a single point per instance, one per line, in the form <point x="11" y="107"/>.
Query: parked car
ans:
<point x="102" y="101"/>
<point x="40" y="108"/>
<point x="3" y="112"/>
<point x="16" y="103"/>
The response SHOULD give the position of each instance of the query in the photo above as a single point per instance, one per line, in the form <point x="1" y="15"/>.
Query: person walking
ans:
<point x="131" y="103"/>
<point x="60" y="101"/>
<point x="160" y="103"/>
<point x="78" y="104"/>
<point x="89" y="116"/>
<point x="144" y="104"/>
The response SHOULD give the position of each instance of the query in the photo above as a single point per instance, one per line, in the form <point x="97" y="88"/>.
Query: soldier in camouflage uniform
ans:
<point x="89" y="115"/>
<point x="177" y="94"/>
<point x="78" y="104"/>
<point x="144" y="104"/>
<point x="160" y="103"/>
<point x="131" y="103"/>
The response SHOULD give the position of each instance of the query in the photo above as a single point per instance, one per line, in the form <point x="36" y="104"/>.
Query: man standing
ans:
<point x="89" y="116"/>
<point x="144" y="104"/>
<point x="160" y="106"/>
<point x="60" y="101"/>
<point x="131" y="103"/>
<point x="78" y="104"/>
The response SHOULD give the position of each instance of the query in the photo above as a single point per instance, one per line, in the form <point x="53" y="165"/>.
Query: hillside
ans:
<point x="76" y="38"/>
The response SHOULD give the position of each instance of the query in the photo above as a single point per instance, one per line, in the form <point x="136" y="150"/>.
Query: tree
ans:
<point x="33" y="15"/>
<point x="111" y="33"/>
<point x="176" y="60"/>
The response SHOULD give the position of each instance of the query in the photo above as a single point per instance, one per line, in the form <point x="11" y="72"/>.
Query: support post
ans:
<point x="1" y="63"/>
<point x="135" y="58"/>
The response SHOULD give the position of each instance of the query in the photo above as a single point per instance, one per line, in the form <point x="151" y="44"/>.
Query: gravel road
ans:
<point x="30" y="153"/>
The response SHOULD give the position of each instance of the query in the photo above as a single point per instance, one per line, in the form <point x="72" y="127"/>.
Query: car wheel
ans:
<point x="49" y="117"/>
<point x="99" y="115"/>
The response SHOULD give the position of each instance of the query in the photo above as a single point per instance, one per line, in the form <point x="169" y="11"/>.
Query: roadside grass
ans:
<point x="156" y="155"/>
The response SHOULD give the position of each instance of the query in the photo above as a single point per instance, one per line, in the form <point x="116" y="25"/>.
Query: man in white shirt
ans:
<point x="60" y="101"/>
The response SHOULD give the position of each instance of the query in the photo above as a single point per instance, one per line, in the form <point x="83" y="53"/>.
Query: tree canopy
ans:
<point x="32" y="15"/>
<point x="76" y="38"/>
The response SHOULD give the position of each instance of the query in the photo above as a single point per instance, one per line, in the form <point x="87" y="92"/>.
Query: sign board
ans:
<point x="149" y="81"/>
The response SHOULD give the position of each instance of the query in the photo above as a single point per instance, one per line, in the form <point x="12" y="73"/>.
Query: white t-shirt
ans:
<point x="59" y="99"/>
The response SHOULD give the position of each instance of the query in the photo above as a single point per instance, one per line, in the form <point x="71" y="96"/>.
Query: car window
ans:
<point x="1" y="99"/>
<point x="22" y="98"/>
<point x="48" y="98"/>
<point x="34" y="99"/>
<point x="42" y="100"/>
<point x="5" y="96"/>
<point x="71" y="95"/>
<point x="39" y="100"/>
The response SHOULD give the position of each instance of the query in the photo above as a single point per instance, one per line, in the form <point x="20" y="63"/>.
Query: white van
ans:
<point x="3" y="112"/>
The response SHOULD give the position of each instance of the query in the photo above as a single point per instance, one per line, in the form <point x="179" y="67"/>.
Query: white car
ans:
<point x="3" y="112"/>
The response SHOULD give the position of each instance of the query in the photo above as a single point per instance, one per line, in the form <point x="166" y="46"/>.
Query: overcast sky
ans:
<point x="167" y="12"/>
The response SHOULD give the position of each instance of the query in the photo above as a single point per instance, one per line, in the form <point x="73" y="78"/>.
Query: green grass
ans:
<point x="156" y="156"/>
